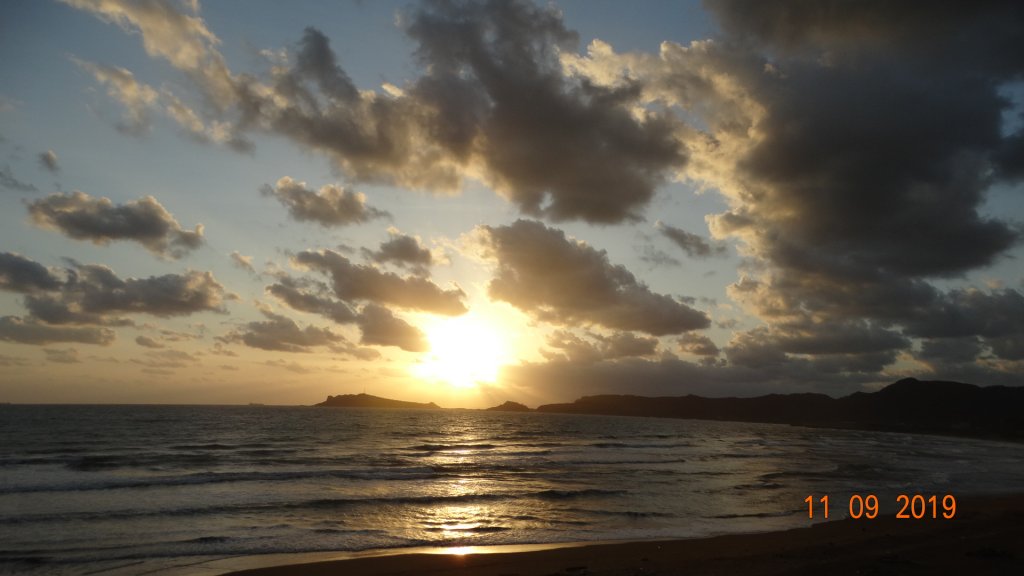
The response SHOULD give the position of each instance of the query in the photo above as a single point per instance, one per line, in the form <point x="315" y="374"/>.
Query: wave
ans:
<point x="223" y="477"/>
<point x="318" y="504"/>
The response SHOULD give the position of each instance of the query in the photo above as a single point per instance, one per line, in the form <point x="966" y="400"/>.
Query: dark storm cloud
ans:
<point x="997" y="317"/>
<point x="31" y="331"/>
<point x="694" y="245"/>
<point x="905" y="204"/>
<point x="947" y="351"/>
<point x="856" y="142"/>
<point x="282" y="334"/>
<point x="961" y="313"/>
<point x="943" y="33"/>
<point x="100" y="221"/>
<point x="7" y="180"/>
<point x="357" y="282"/>
<point x="380" y="326"/>
<point x="20" y="274"/>
<point x="306" y="296"/>
<point x="332" y="205"/>
<point x="48" y="160"/>
<point x="403" y="250"/>
<point x="853" y="346"/>
<point x="562" y="281"/>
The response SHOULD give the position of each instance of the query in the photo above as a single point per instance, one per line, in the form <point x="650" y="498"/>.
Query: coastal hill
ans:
<point x="510" y="406"/>
<point x="909" y="405"/>
<point x="369" y="401"/>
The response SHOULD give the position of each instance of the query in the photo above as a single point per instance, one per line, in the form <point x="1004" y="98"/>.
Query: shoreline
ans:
<point x="985" y="537"/>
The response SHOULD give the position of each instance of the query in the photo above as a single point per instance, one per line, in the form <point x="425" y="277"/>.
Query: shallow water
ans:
<point x="135" y="488"/>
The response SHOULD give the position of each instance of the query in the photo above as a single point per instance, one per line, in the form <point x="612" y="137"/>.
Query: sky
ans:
<point x="473" y="202"/>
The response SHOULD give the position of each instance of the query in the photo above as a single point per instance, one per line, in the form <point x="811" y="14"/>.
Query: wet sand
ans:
<point x="985" y="537"/>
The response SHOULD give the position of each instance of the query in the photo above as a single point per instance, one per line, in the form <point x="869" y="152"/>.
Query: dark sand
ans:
<point x="986" y="537"/>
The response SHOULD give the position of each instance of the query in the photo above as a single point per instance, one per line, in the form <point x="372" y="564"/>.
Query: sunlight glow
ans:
<point x="464" y="351"/>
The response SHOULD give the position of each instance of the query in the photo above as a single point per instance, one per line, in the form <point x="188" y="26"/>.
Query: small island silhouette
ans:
<point x="370" y="401"/>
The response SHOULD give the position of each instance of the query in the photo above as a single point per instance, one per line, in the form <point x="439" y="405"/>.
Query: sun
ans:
<point x="464" y="351"/>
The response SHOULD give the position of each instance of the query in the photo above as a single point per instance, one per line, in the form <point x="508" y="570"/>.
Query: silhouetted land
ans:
<point x="369" y="401"/>
<point x="510" y="406"/>
<point x="909" y="405"/>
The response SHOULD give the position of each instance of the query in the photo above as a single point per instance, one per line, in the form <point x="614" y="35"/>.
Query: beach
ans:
<point x="985" y="537"/>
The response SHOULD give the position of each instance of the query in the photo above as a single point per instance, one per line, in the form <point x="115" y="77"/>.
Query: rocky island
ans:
<point x="370" y="401"/>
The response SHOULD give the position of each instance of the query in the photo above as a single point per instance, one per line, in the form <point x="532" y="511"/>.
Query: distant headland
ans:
<point x="369" y="401"/>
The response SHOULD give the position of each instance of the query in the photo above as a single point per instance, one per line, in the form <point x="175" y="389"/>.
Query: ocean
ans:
<point x="173" y="489"/>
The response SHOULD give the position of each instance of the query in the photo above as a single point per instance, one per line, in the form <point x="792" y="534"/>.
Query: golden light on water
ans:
<point x="464" y="351"/>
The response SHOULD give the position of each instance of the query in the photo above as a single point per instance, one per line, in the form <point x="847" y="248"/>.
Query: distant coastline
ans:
<point x="908" y="405"/>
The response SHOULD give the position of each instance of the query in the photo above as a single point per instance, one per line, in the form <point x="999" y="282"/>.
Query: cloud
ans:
<point x="697" y="344"/>
<point x="7" y="180"/>
<point x="243" y="262"/>
<point x="290" y="366"/>
<point x="138" y="99"/>
<point x="570" y="347"/>
<point x="577" y="150"/>
<point x="564" y="281"/>
<point x="657" y="257"/>
<point x="566" y="381"/>
<point x="48" y="160"/>
<point x="332" y="205"/>
<point x="404" y="251"/>
<point x="941" y="353"/>
<point x="356" y="282"/>
<point x="31" y="331"/>
<point x="855" y="167"/>
<point x="7" y="361"/>
<point x="181" y="39"/>
<point x="97" y="289"/>
<point x="94" y="294"/>
<point x="307" y="296"/>
<point x="62" y="356"/>
<point x="692" y="244"/>
<point x="147" y="342"/>
<point x="282" y="334"/>
<point x="380" y="326"/>
<point x="166" y="359"/>
<point x="100" y="221"/>
<point x="20" y="274"/>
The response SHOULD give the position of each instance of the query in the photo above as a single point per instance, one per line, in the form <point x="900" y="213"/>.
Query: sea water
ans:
<point x="140" y="489"/>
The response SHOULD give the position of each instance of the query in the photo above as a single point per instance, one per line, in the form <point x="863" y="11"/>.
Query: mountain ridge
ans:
<point x="907" y="405"/>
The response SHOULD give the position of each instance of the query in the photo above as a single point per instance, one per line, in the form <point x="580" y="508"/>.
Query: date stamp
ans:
<point x="911" y="506"/>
